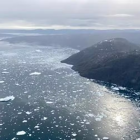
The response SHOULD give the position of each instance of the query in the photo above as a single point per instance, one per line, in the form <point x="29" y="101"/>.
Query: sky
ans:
<point x="69" y="14"/>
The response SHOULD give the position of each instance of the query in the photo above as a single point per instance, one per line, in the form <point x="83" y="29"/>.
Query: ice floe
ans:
<point x="105" y="138"/>
<point x="28" y="113"/>
<point x="21" y="133"/>
<point x="44" y="118"/>
<point x="35" y="73"/>
<point x="49" y="102"/>
<point x="5" y="72"/>
<point x="74" y="134"/>
<point x="1" y="82"/>
<point x="6" y="99"/>
<point x="24" y="121"/>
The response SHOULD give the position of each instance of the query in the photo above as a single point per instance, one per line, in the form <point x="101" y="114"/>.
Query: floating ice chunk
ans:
<point x="36" y="126"/>
<point x="1" y="82"/>
<point x="6" y="99"/>
<point x="13" y="139"/>
<point x="21" y="133"/>
<point x="74" y="134"/>
<point x="17" y="84"/>
<point x="122" y="88"/>
<point x="19" y="113"/>
<point x="48" y="102"/>
<point x="35" y="73"/>
<point x="115" y="88"/>
<point x="29" y="96"/>
<point x="105" y="138"/>
<point x="28" y="113"/>
<point x="99" y="117"/>
<point x="5" y="72"/>
<point x="36" y="109"/>
<point x="24" y="121"/>
<point x="44" y="118"/>
<point x="90" y="115"/>
<point x="72" y="124"/>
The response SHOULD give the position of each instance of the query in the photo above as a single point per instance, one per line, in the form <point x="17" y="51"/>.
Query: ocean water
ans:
<point x="43" y="99"/>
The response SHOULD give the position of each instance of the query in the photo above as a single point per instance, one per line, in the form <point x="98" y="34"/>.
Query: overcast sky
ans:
<point x="59" y="14"/>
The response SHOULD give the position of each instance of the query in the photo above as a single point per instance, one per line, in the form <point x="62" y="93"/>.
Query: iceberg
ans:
<point x="6" y="99"/>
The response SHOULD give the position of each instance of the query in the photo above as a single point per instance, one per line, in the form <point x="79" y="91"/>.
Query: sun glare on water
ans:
<point x="119" y="120"/>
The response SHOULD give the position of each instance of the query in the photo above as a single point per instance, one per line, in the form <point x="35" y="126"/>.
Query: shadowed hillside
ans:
<point x="115" y="61"/>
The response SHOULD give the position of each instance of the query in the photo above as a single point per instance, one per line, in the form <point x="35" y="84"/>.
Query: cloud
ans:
<point x="120" y="15"/>
<point x="69" y="14"/>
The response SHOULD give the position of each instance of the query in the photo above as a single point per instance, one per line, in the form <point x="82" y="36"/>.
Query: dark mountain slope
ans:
<point x="116" y="61"/>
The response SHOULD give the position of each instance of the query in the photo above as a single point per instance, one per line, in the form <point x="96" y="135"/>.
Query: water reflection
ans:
<point x="114" y="116"/>
<point x="119" y="119"/>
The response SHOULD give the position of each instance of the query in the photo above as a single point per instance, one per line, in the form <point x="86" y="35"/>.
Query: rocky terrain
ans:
<point x="115" y="61"/>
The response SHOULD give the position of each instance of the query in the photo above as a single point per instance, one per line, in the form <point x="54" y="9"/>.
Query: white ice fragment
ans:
<point x="36" y="109"/>
<point x="36" y="126"/>
<point x="24" y="121"/>
<point x="48" y="102"/>
<point x="115" y="88"/>
<point x="28" y="113"/>
<point x="6" y="99"/>
<point x="122" y="88"/>
<point x="74" y="134"/>
<point x="1" y="82"/>
<point x="19" y="112"/>
<point x="44" y="118"/>
<point x="72" y="124"/>
<point x="17" y="84"/>
<point x="21" y="133"/>
<point x="105" y="138"/>
<point x="90" y="115"/>
<point x="35" y="73"/>
<point x="29" y="96"/>
<point x="13" y="139"/>
<point x="5" y="72"/>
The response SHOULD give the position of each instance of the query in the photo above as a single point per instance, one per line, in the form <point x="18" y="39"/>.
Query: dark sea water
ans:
<point x="52" y="102"/>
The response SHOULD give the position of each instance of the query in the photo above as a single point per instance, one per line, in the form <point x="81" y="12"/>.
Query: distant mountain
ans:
<point x="77" y="39"/>
<point x="115" y="61"/>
